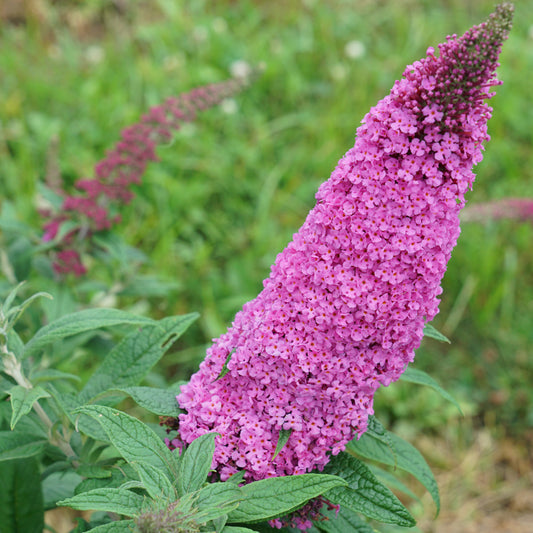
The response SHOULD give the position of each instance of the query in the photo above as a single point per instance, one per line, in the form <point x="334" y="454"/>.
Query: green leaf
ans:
<point x="58" y="486"/>
<point x="225" y="368"/>
<point x="343" y="522"/>
<point x="15" y="344"/>
<point x="21" y="497"/>
<point x="10" y="298"/>
<point x="94" y="471"/>
<point x="135" y="441"/>
<point x="237" y="529"/>
<point x="156" y="483"/>
<point x="50" y="374"/>
<point x="364" y="493"/>
<point x="79" y="322"/>
<point x="120" y="474"/>
<point x="219" y="523"/>
<point x="377" y="430"/>
<point x="236" y="478"/>
<point x="135" y="355"/>
<point x="432" y="333"/>
<point x="392" y="481"/>
<point x="15" y="445"/>
<point x="122" y="526"/>
<point x="67" y="403"/>
<point x="22" y="400"/>
<point x="16" y="312"/>
<point x="216" y="500"/>
<point x="195" y="464"/>
<point x="120" y="501"/>
<point x="414" y="375"/>
<point x="161" y="402"/>
<point x="274" y="497"/>
<point x="283" y="437"/>
<point x="405" y="457"/>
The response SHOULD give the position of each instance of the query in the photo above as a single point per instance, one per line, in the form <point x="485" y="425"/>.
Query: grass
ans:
<point x="233" y="187"/>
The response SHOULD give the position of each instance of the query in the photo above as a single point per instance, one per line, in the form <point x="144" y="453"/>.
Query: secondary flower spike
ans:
<point x="94" y="207"/>
<point x="346" y="302"/>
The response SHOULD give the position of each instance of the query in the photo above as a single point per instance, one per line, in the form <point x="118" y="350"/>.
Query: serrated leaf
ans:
<point x="432" y="333"/>
<point x="79" y="322"/>
<point x="161" y="402"/>
<point x="118" y="501"/>
<point x="365" y="494"/>
<point x="156" y="483"/>
<point x="216" y="500"/>
<point x="195" y="464"/>
<point x="18" y="445"/>
<point x="344" y="521"/>
<point x="135" y="441"/>
<point x="22" y="400"/>
<point x="122" y="526"/>
<point x="135" y="355"/>
<point x="274" y="497"/>
<point x="283" y="438"/>
<point x="21" y="498"/>
<point x="414" y="375"/>
<point x="405" y="456"/>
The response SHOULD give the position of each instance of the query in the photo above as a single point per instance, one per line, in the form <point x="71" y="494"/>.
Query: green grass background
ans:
<point x="233" y="187"/>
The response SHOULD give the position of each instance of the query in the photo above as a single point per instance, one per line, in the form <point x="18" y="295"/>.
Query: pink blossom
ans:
<point x="346" y="302"/>
<point x="93" y="208"/>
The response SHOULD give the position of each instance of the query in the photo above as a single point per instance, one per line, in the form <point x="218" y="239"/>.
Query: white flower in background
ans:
<point x="229" y="106"/>
<point x="354" y="49"/>
<point x="240" y="69"/>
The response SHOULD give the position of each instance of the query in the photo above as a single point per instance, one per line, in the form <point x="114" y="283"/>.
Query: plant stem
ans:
<point x="13" y="367"/>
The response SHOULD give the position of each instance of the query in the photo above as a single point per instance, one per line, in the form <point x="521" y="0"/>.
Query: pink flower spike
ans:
<point x="91" y="206"/>
<point x="346" y="302"/>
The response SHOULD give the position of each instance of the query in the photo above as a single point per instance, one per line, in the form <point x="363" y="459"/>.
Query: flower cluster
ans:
<point x="346" y="302"/>
<point x="95" y="206"/>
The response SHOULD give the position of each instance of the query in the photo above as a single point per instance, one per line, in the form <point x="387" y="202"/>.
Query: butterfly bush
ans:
<point x="346" y="302"/>
<point x="95" y="205"/>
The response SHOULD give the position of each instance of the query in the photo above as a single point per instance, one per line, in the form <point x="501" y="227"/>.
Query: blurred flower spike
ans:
<point x="346" y="302"/>
<point x="505" y="209"/>
<point x="96" y="204"/>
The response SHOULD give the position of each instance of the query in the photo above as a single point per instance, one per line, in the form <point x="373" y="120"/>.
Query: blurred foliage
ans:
<point x="231" y="189"/>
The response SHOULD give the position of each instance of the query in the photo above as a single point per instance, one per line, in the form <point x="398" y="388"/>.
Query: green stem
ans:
<point x="13" y="367"/>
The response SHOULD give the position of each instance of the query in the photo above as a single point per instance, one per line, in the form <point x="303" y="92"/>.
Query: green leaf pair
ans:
<point x="167" y="478"/>
<point x="392" y="450"/>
